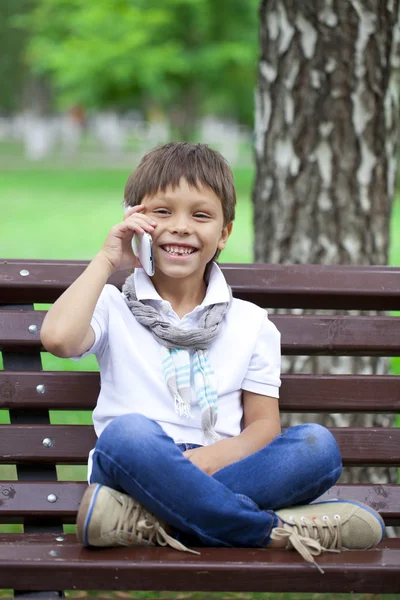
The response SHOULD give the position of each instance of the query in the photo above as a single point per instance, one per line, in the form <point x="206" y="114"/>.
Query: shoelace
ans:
<point x="137" y="526"/>
<point x="311" y="537"/>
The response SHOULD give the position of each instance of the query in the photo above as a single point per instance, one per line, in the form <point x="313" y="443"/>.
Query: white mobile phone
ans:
<point x="142" y="246"/>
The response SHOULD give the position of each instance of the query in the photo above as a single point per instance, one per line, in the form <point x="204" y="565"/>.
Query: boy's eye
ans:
<point x="201" y="216"/>
<point x="161" y="211"/>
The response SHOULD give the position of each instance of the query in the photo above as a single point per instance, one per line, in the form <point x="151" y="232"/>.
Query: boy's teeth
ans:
<point x="178" y="250"/>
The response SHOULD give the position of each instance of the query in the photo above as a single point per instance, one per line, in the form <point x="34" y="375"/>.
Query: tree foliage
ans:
<point x="191" y="55"/>
<point x="13" y="68"/>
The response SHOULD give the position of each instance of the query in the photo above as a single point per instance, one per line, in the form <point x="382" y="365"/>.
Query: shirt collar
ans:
<point x="217" y="289"/>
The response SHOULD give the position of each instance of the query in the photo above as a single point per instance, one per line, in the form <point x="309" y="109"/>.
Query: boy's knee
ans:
<point x="322" y="443"/>
<point x="129" y="430"/>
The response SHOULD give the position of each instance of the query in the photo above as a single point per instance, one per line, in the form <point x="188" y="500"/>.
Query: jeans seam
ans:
<point x="191" y="527"/>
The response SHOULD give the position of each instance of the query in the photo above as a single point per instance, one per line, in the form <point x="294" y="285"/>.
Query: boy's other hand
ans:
<point x="206" y="458"/>
<point x="117" y="248"/>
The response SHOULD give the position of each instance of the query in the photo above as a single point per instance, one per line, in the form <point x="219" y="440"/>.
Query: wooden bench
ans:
<point x="44" y="558"/>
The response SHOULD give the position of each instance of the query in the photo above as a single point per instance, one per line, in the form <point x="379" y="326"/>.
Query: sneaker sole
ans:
<point x="85" y="513"/>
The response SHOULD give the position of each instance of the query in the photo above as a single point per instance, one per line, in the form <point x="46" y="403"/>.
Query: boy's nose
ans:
<point x="180" y="227"/>
<point x="181" y="231"/>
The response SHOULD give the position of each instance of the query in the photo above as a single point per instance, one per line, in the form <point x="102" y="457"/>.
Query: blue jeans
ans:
<point x="235" y="506"/>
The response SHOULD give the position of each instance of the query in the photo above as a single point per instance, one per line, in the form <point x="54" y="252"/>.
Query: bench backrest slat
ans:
<point x="301" y="334"/>
<point x="63" y="390"/>
<point x="71" y="444"/>
<point x="281" y="286"/>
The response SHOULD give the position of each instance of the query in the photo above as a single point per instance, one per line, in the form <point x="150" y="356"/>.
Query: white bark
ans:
<point x="326" y="129"/>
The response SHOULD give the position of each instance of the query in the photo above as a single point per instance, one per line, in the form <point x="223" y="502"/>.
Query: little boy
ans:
<point x="190" y="448"/>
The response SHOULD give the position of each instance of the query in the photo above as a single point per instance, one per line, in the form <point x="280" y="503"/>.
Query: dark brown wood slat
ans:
<point x="310" y="334"/>
<point x="340" y="393"/>
<point x="62" y="390"/>
<point x="368" y="445"/>
<point x="299" y="393"/>
<point x="316" y="335"/>
<point x="46" y="280"/>
<point x="39" y="564"/>
<point x="71" y="444"/>
<point x="19" y="500"/>
<point x="15" y="335"/>
<point x="338" y="287"/>
<point x="282" y="286"/>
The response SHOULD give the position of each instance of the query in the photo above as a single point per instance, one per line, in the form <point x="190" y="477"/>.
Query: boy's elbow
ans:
<point x="54" y="346"/>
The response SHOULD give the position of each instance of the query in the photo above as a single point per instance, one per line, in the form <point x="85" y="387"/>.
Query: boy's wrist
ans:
<point x="104" y="263"/>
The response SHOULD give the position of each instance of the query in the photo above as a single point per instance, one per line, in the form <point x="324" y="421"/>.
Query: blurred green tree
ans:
<point x="13" y="68"/>
<point x="183" y="57"/>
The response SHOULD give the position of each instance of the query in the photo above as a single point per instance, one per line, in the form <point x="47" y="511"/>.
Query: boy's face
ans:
<point x="190" y="229"/>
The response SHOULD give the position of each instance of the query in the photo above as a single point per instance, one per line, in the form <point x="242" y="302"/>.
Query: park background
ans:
<point x="77" y="112"/>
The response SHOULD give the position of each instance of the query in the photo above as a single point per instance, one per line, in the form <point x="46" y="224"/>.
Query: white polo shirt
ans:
<point x="245" y="356"/>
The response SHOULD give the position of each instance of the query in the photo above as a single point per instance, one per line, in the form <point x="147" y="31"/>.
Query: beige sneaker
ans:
<point x="107" y="517"/>
<point x="329" y="527"/>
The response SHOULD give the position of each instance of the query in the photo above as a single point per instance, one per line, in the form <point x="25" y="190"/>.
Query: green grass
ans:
<point x="62" y="214"/>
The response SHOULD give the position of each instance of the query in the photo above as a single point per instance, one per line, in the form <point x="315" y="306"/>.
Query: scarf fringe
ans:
<point x="182" y="408"/>
<point x="211" y="434"/>
<point x="208" y="421"/>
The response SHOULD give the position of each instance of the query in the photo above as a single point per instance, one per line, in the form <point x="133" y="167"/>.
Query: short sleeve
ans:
<point x="263" y="374"/>
<point x="99" y="324"/>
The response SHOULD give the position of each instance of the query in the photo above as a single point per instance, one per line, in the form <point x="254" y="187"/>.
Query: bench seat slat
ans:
<point x="282" y="286"/>
<point x="22" y="499"/>
<point x="44" y="564"/>
<point x="72" y="443"/>
<point x="299" y="393"/>
<point x="308" y="334"/>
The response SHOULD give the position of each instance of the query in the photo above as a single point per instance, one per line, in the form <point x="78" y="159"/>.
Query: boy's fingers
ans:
<point x="143" y="219"/>
<point x="128" y="229"/>
<point x="140" y="226"/>
<point x="130" y="210"/>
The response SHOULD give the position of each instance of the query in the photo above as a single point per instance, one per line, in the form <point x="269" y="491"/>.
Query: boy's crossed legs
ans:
<point x="234" y="507"/>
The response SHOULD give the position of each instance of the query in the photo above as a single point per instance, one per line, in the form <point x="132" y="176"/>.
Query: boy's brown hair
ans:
<point x="197" y="163"/>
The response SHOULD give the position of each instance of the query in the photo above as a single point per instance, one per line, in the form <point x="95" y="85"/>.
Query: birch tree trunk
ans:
<point x="325" y="145"/>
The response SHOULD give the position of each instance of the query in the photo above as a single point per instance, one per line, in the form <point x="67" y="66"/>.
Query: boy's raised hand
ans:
<point x="117" y="248"/>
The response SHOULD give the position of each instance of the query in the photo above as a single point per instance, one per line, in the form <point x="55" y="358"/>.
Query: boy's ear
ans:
<point x="225" y="233"/>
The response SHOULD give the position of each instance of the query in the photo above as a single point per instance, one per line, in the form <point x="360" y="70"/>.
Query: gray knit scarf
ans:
<point x="176" y="344"/>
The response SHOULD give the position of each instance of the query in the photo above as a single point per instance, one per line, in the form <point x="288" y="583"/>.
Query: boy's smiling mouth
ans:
<point x="178" y="249"/>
